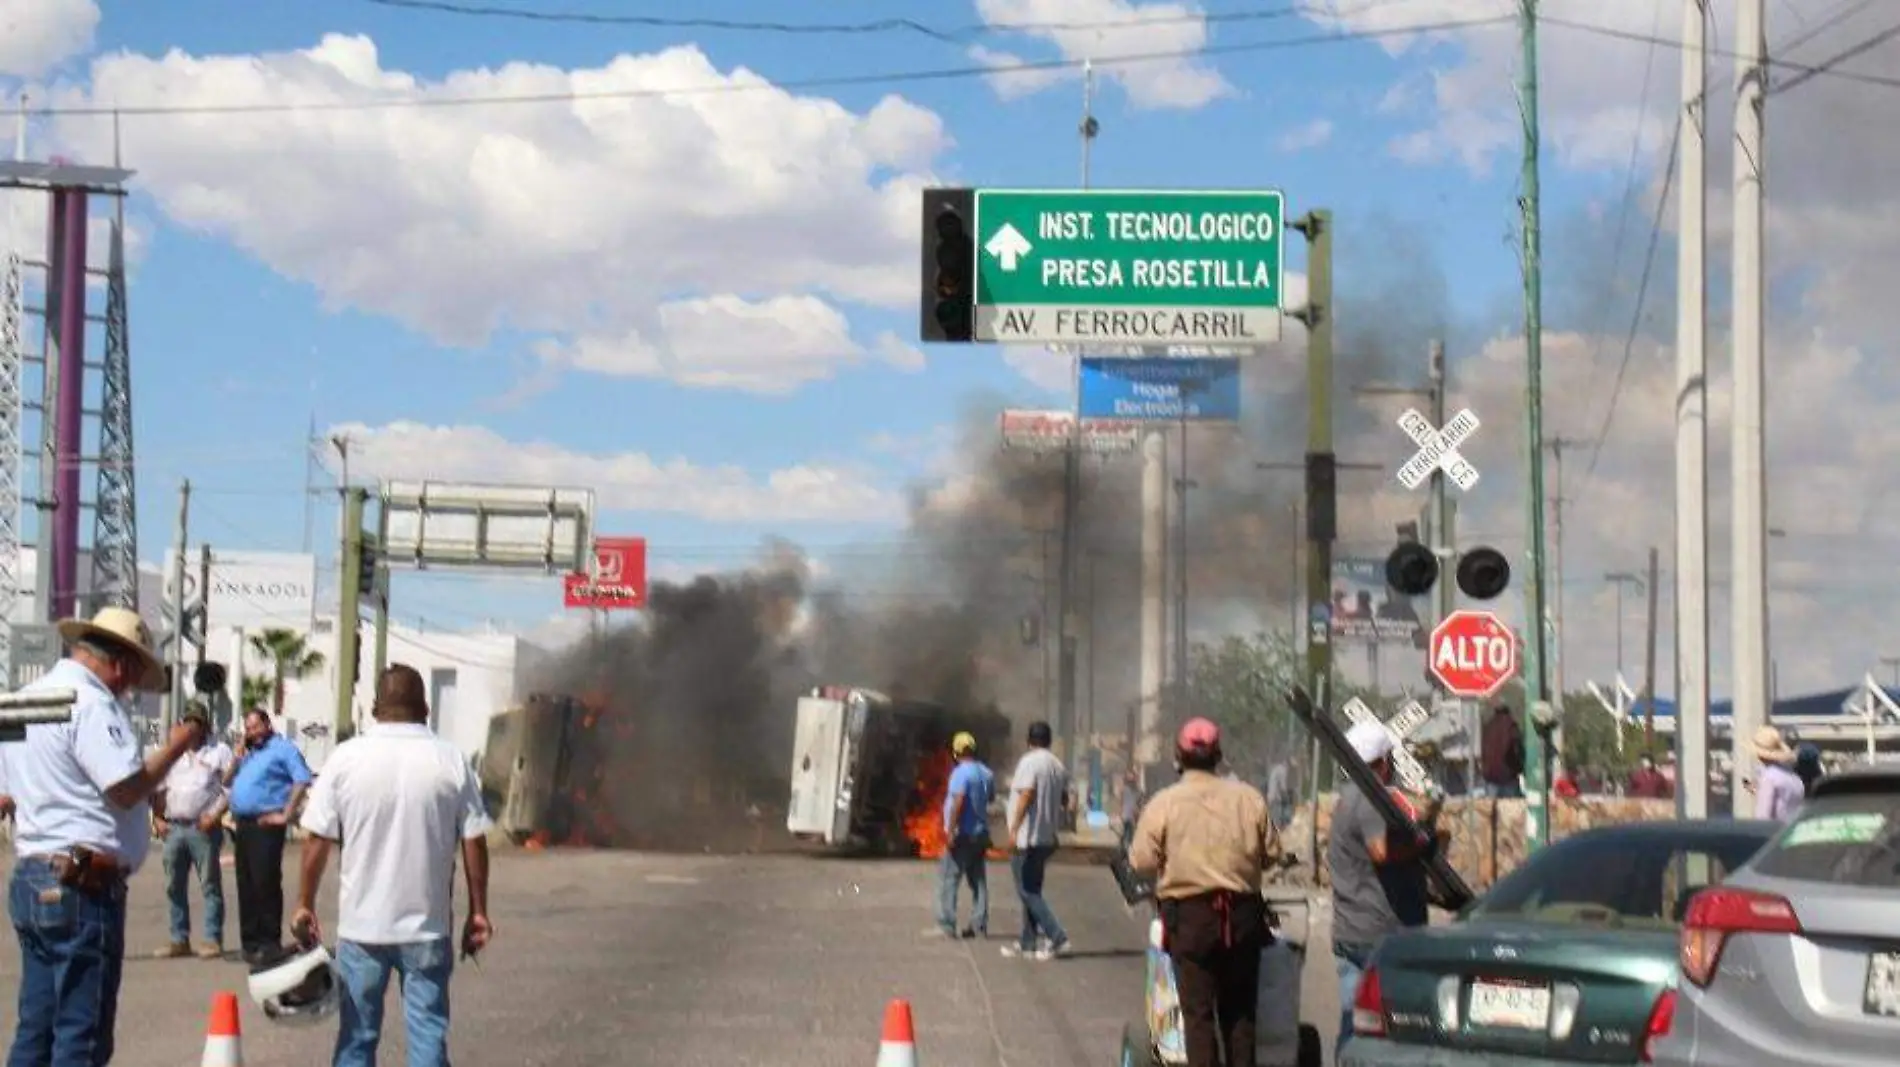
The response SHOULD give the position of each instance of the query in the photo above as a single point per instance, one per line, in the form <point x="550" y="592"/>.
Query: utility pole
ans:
<point x="1066" y="718"/>
<point x="1322" y="518"/>
<point x="1749" y="495"/>
<point x="381" y="584"/>
<point x="1536" y="644"/>
<point x="1692" y="430"/>
<point x="1619" y="579"/>
<point x="1441" y="534"/>
<point x="349" y="593"/>
<point x="174" y="700"/>
<point x="1182" y="670"/>
<point x="204" y="598"/>
<point x="1557" y="445"/>
<point x="1649" y="670"/>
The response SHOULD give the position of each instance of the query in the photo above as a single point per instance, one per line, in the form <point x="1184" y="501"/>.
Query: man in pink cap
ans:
<point x="1206" y="839"/>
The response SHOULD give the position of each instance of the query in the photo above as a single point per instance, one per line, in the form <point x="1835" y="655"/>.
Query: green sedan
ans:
<point x="1565" y="961"/>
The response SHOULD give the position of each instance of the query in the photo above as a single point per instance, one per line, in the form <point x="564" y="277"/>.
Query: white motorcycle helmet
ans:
<point x="299" y="986"/>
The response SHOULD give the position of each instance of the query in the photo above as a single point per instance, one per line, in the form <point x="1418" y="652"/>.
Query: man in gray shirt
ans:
<point x="1379" y="882"/>
<point x="1039" y="792"/>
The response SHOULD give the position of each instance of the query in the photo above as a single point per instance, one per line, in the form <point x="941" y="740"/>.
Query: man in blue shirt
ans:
<point x="267" y="783"/>
<point x="966" y="822"/>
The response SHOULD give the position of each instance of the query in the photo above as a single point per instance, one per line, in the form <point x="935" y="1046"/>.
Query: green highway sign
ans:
<point x="1129" y="267"/>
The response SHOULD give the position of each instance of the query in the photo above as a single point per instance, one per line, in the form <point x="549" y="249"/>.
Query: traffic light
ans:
<point x="948" y="310"/>
<point x="366" y="560"/>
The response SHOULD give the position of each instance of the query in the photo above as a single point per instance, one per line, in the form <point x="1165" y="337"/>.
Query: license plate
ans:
<point x="1883" y="985"/>
<point x="1510" y="1006"/>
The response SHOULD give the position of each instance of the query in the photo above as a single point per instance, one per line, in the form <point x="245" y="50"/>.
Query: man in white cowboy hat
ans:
<point x="1779" y="791"/>
<point x="82" y="826"/>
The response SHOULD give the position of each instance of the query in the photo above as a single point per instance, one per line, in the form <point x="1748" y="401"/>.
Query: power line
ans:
<point x="1885" y="81"/>
<point x="957" y="34"/>
<point x="792" y="85"/>
<point x="1827" y="65"/>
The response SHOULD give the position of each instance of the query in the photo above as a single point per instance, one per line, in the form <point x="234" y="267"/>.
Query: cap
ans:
<point x="963" y="743"/>
<point x="1197" y="733"/>
<point x="1371" y="740"/>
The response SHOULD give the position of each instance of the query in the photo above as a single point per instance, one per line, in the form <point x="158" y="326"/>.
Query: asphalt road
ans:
<point x="643" y="958"/>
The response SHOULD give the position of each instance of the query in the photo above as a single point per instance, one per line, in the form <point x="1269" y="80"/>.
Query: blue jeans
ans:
<point x="424" y="967"/>
<point x="1027" y="865"/>
<point x="186" y="847"/>
<point x="964" y="861"/>
<point x="72" y="948"/>
<point x="1350" y="961"/>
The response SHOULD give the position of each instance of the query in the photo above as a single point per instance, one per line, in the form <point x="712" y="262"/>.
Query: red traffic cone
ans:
<point x="898" y="1047"/>
<point x="223" y="1044"/>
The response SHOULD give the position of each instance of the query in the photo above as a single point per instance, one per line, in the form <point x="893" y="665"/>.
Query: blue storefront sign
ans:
<point x="1200" y="389"/>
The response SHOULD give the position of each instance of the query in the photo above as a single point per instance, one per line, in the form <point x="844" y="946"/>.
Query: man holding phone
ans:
<point x="401" y="803"/>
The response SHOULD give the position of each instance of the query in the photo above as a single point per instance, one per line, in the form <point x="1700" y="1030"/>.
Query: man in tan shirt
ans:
<point x="1207" y="839"/>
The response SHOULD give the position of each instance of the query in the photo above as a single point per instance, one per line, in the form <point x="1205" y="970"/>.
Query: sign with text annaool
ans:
<point x="507" y="527"/>
<point x="1057" y="431"/>
<point x="1128" y="267"/>
<point x="1163" y="389"/>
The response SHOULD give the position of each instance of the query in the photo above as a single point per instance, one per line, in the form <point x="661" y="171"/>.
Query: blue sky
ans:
<point x="373" y="268"/>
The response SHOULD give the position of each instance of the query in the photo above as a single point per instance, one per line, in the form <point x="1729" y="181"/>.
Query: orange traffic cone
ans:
<point x="223" y="1047"/>
<point x="898" y="1048"/>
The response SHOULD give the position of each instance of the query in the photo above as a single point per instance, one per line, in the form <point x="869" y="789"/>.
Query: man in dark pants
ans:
<point x="1501" y="753"/>
<point x="1207" y="839"/>
<point x="267" y="783"/>
<point x="1379" y="883"/>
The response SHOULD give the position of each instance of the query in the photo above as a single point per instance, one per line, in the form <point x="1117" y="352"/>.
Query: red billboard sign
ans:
<point x="619" y="581"/>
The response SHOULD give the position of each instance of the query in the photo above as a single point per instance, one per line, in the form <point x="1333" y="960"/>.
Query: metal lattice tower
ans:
<point x="115" y="541"/>
<point x="12" y="459"/>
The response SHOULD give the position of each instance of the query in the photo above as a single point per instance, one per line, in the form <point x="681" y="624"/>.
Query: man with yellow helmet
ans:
<point x="966" y="824"/>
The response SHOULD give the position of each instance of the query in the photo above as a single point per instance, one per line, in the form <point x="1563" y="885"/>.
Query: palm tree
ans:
<point x="290" y="658"/>
<point x="256" y="690"/>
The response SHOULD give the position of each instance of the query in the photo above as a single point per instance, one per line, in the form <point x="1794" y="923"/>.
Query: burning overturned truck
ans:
<point x="871" y="772"/>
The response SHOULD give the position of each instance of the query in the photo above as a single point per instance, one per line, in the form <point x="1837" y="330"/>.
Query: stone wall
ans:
<point x="1487" y="836"/>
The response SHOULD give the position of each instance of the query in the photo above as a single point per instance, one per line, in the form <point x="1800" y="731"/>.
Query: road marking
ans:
<point x="1438" y="449"/>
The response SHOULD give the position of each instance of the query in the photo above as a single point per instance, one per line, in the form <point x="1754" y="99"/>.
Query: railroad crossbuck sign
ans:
<point x="1473" y="654"/>
<point x="1410" y="717"/>
<point x="1438" y="449"/>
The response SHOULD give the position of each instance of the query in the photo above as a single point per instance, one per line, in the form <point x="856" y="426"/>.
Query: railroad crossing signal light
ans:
<point x="948" y="312"/>
<point x="1483" y="573"/>
<point x="1412" y="569"/>
<point x="209" y="677"/>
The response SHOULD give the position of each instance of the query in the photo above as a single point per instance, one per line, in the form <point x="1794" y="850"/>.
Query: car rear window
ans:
<point x="1843" y="839"/>
<point x="1617" y="879"/>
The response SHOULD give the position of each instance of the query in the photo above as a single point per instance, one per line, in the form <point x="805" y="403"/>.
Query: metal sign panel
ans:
<point x="1054" y="431"/>
<point x="1160" y="390"/>
<point x="36" y="647"/>
<point x="1107" y="266"/>
<point x="510" y="527"/>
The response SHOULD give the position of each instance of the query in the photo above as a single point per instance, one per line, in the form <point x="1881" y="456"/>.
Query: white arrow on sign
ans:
<point x="1009" y="246"/>
<point x="1438" y="449"/>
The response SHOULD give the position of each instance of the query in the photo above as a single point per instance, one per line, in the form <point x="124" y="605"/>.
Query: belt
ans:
<point x="85" y="869"/>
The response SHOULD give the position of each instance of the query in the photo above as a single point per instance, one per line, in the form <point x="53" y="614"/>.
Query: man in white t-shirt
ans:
<point x="403" y="802"/>
<point x="1039" y="796"/>
<point x="188" y="816"/>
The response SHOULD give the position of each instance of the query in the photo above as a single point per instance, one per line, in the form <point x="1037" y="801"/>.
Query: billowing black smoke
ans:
<point x="699" y="695"/>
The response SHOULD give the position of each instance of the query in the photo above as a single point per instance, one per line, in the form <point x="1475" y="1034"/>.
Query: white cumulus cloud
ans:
<point x="37" y="35"/>
<point x="652" y="216"/>
<point x="1090" y="29"/>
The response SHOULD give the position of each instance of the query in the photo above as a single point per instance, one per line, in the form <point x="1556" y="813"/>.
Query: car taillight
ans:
<point x="1661" y="1018"/>
<point x="1368" y="1006"/>
<point x="1715" y="914"/>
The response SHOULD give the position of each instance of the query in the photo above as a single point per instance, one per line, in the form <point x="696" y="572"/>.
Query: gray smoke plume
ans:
<point x="698" y="697"/>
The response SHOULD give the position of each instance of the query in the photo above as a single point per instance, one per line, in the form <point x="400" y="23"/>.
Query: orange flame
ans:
<point x="923" y="824"/>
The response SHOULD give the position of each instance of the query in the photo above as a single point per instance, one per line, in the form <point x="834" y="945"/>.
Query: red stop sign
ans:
<point x="1473" y="654"/>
